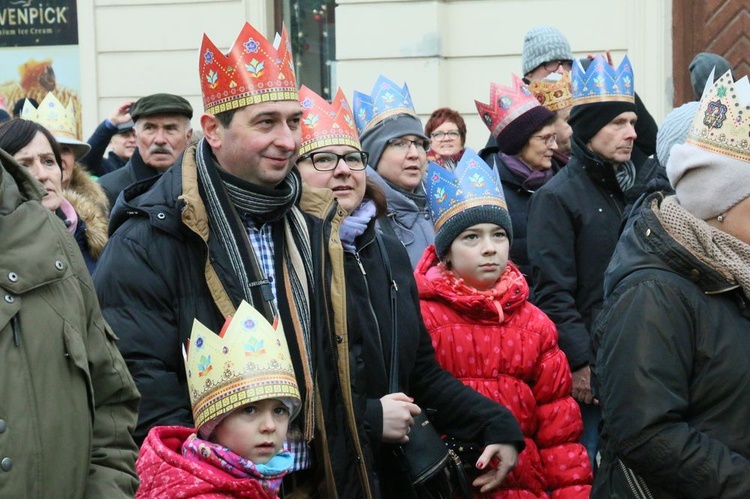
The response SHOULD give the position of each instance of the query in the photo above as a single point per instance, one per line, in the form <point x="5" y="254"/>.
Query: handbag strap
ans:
<point x="393" y="376"/>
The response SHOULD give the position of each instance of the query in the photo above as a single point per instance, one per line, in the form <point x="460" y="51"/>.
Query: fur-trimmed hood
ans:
<point x="92" y="207"/>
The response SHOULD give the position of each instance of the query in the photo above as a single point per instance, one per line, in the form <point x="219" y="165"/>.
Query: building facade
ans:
<point x="447" y="51"/>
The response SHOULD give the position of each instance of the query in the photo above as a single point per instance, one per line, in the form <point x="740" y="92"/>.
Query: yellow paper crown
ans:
<point x="53" y="116"/>
<point x="247" y="362"/>
<point x="722" y="123"/>
<point x="554" y="95"/>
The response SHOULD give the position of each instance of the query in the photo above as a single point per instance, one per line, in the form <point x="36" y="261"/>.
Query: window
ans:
<point x="312" y="33"/>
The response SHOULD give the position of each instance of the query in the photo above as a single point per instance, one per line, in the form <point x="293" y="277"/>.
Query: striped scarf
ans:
<point x="228" y="199"/>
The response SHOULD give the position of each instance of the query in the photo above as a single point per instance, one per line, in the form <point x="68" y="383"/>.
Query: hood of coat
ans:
<point x="34" y="245"/>
<point x="90" y="211"/>
<point x="646" y="244"/>
<point x="82" y="183"/>
<point x="433" y="285"/>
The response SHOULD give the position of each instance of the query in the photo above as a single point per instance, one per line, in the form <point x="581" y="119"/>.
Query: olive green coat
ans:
<point x="67" y="402"/>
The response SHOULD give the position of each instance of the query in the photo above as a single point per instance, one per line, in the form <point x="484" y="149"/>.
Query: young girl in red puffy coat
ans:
<point x="486" y="333"/>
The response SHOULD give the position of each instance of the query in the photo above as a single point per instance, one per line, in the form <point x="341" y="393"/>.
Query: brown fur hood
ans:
<point x="92" y="207"/>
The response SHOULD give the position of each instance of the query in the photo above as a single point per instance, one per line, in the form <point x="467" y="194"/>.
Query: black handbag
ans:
<point x="433" y="470"/>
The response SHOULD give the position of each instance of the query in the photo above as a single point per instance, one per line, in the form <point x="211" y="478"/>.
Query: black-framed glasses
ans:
<point x="552" y="66"/>
<point x="403" y="144"/>
<point x="450" y="134"/>
<point x="325" y="161"/>
<point x="549" y="139"/>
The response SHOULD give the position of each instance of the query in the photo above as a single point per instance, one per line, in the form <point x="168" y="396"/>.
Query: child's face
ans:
<point x="255" y="431"/>
<point x="479" y="255"/>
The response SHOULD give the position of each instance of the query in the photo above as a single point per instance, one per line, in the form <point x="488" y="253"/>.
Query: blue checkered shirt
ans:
<point x="262" y="242"/>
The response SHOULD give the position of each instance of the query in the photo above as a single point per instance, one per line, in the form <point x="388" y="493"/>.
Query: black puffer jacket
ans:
<point x="672" y="371"/>
<point x="573" y="227"/>
<point x="157" y="274"/>
<point x="135" y="170"/>
<point x="459" y="411"/>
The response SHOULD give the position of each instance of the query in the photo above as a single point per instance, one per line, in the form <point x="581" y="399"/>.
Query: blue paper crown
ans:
<point x="471" y="184"/>
<point x="387" y="99"/>
<point x="601" y="82"/>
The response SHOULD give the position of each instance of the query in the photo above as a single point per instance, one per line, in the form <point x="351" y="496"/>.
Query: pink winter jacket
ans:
<point x="166" y="474"/>
<point x="506" y="348"/>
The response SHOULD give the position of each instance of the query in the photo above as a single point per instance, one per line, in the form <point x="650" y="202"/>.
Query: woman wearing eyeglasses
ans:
<point x="331" y="157"/>
<point x="525" y="141"/>
<point x="392" y="133"/>
<point x="447" y="132"/>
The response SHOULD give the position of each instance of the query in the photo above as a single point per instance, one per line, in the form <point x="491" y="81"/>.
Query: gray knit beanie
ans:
<point x="455" y="225"/>
<point x="675" y="129"/>
<point x="375" y="140"/>
<point x="707" y="184"/>
<point x="700" y="68"/>
<point x="543" y="44"/>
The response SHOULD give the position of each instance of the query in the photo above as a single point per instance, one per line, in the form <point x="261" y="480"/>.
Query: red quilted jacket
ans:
<point x="506" y="348"/>
<point x="166" y="474"/>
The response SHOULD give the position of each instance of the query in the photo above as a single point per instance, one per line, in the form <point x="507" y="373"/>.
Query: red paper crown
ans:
<point x="506" y="104"/>
<point x="325" y="124"/>
<point x="253" y="71"/>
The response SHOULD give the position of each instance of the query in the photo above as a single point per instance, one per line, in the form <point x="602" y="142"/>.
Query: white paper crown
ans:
<point x="722" y="123"/>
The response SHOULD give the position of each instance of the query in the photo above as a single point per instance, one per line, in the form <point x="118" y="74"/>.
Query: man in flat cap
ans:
<point x="162" y="133"/>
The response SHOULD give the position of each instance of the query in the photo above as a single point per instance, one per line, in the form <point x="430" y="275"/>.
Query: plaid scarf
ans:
<point x="228" y="199"/>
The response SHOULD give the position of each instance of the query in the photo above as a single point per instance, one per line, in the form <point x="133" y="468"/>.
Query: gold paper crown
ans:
<point x="253" y="71"/>
<point x="722" y="123"/>
<point x="247" y="362"/>
<point x="554" y="95"/>
<point x="53" y="116"/>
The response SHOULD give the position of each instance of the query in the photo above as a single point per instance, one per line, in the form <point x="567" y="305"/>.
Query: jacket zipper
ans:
<point x="334" y="349"/>
<point x="637" y="486"/>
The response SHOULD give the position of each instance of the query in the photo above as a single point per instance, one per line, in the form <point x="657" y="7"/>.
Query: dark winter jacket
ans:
<point x="94" y="160"/>
<point x="162" y="269"/>
<point x="671" y="371"/>
<point x="134" y="171"/>
<point x="67" y="403"/>
<point x="459" y="411"/>
<point x="573" y="227"/>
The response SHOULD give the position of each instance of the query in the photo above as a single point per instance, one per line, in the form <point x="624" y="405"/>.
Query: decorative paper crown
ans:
<point x="722" y="123"/>
<point x="325" y="124"/>
<point x="471" y="184"/>
<point x="253" y="71"/>
<point x="387" y="99"/>
<point x="601" y="82"/>
<point x="506" y="104"/>
<point x="247" y="362"/>
<point x="53" y="116"/>
<point x="554" y="95"/>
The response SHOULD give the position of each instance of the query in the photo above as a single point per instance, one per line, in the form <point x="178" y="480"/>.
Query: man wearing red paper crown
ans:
<point x="224" y="225"/>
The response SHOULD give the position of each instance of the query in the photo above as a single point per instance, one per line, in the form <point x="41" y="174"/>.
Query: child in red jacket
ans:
<point x="486" y="333"/>
<point x="243" y="392"/>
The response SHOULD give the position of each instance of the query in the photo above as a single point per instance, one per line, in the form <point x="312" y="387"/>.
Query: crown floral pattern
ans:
<point x="471" y="184"/>
<point x="506" y="104"/>
<point x="601" y="82"/>
<point x="52" y="115"/>
<point x="325" y="124"/>
<point x="253" y="71"/>
<point x="386" y="99"/>
<point x="248" y="361"/>
<point x="722" y="123"/>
